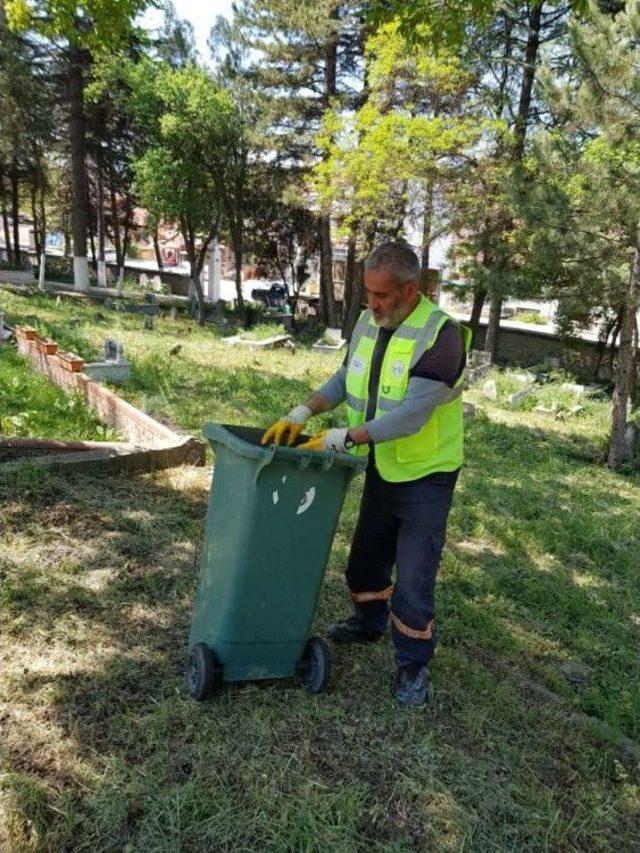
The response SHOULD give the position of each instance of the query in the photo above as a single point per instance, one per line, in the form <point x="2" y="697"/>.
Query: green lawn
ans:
<point x="103" y="750"/>
<point x="32" y="407"/>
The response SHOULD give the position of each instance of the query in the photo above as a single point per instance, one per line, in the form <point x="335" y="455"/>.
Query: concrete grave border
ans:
<point x="149" y="444"/>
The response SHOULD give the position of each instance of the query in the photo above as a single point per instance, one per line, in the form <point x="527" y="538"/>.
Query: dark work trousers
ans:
<point x="403" y="524"/>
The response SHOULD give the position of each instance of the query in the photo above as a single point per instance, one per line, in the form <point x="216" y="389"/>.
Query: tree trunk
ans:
<point x="102" y="267"/>
<point x="426" y="238"/>
<point x="351" y="317"/>
<point x="237" y="258"/>
<point x="479" y="296"/>
<point x="15" y="211"/>
<point x="491" y="339"/>
<point x="34" y="216"/>
<point x="67" y="237"/>
<point x="327" y="296"/>
<point x="623" y="377"/>
<point x="77" y="134"/>
<point x="5" y="218"/>
<point x="190" y="246"/>
<point x="528" y="78"/>
<point x="349" y="284"/>
<point x="128" y="213"/>
<point x="634" y="364"/>
<point x="92" y="241"/>
<point x="115" y="220"/>
<point x="43" y="214"/>
<point x="156" y="246"/>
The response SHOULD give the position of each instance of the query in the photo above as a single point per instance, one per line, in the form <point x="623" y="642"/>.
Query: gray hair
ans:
<point x="398" y="258"/>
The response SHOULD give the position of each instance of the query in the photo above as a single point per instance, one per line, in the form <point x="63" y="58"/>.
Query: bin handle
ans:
<point x="328" y="462"/>
<point x="268" y="459"/>
<point x="305" y="460"/>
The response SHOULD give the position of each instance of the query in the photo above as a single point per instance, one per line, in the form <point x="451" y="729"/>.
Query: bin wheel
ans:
<point x="315" y="666"/>
<point x="203" y="674"/>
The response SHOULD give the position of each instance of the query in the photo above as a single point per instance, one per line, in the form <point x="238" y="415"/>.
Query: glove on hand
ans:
<point x="291" y="423"/>
<point x="327" y="439"/>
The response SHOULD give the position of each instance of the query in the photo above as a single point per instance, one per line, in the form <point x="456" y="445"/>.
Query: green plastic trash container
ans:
<point x="273" y="512"/>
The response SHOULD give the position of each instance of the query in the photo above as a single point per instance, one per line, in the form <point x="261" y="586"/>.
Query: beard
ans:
<point x="393" y="318"/>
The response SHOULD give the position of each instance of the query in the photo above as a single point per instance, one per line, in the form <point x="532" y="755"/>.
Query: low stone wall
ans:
<point x="528" y="347"/>
<point x="142" y="431"/>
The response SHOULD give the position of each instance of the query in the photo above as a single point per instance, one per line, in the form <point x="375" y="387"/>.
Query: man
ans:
<point x="402" y="382"/>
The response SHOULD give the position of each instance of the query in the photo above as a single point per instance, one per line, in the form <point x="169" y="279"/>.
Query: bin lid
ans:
<point x="245" y="441"/>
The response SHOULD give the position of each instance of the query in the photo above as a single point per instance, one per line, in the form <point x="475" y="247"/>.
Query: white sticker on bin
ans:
<point x="307" y="500"/>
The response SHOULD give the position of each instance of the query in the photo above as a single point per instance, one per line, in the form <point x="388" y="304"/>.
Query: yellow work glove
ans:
<point x="327" y="439"/>
<point x="291" y="423"/>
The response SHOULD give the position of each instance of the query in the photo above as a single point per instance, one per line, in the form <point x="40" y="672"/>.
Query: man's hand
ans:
<point x="327" y="439"/>
<point x="291" y="424"/>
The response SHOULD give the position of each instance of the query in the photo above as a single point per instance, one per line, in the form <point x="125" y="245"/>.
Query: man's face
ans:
<point x="390" y="303"/>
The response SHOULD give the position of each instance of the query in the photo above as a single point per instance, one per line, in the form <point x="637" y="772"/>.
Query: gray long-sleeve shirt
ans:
<point x="429" y="383"/>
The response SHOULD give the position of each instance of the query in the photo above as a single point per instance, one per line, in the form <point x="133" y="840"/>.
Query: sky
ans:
<point x="201" y="13"/>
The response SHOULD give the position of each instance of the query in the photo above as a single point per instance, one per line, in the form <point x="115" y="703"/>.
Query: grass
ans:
<point x="103" y="750"/>
<point x="531" y="317"/>
<point x="32" y="407"/>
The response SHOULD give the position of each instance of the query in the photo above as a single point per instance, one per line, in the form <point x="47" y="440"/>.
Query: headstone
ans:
<point x="144" y="280"/>
<point x="514" y="400"/>
<point x="576" y="390"/>
<point x="113" y="351"/>
<point x="5" y="334"/>
<point x="173" y="312"/>
<point x="156" y="284"/>
<point x="490" y="390"/>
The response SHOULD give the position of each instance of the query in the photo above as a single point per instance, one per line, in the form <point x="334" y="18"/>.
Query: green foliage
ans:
<point x="410" y="129"/>
<point x="31" y="407"/>
<point x="97" y="25"/>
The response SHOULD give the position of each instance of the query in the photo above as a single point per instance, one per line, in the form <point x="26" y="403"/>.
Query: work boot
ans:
<point x="352" y="630"/>
<point x="412" y="685"/>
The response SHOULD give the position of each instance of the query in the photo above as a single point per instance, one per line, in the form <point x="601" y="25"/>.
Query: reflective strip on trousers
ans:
<point x="381" y="595"/>
<point x="413" y="633"/>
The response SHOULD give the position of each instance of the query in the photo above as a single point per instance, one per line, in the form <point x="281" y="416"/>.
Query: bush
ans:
<point x="23" y="266"/>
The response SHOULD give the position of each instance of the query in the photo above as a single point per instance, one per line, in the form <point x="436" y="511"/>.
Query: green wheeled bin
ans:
<point x="273" y="512"/>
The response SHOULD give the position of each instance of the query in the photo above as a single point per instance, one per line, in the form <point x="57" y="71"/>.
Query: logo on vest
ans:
<point x="397" y="368"/>
<point x="357" y="364"/>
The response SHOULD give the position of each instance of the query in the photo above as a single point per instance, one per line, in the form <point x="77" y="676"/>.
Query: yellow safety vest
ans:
<point x="437" y="446"/>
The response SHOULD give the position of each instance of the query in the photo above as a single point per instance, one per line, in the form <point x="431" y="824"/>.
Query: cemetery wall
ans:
<point x="526" y="348"/>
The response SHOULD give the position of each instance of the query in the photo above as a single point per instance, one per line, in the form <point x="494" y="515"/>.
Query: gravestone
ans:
<point x="115" y="366"/>
<point x="5" y="334"/>
<point x="490" y="390"/>
<point x="113" y="351"/>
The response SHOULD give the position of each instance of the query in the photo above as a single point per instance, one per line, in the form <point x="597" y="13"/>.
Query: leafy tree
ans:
<point x="302" y="64"/>
<point x="403" y="143"/>
<point x="586" y="215"/>
<point x="180" y="176"/>
<point x="80" y="32"/>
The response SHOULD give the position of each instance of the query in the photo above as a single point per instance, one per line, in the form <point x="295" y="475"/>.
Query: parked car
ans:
<point x="274" y="294"/>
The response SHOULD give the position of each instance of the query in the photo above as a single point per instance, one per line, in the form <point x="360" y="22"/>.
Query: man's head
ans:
<point x="392" y="283"/>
